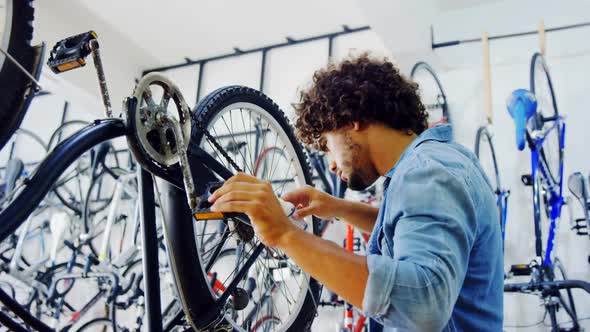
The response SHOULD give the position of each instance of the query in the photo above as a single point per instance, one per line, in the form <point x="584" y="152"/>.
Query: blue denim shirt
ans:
<point x="435" y="255"/>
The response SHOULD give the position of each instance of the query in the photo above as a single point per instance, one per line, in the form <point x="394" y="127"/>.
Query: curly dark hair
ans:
<point x="360" y="89"/>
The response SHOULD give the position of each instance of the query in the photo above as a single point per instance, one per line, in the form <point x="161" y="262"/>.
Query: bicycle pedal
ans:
<point x="526" y="179"/>
<point x="203" y="210"/>
<point x="520" y="270"/>
<point x="70" y="53"/>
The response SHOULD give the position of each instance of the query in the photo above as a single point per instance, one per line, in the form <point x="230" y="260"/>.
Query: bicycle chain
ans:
<point x="216" y="144"/>
<point x="217" y="325"/>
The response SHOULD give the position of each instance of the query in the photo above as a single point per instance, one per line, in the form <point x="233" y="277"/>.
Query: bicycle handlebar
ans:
<point x="547" y="285"/>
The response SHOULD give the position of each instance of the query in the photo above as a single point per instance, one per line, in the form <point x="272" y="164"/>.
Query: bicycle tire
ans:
<point x="139" y="284"/>
<point x="73" y="205"/>
<point x="552" y="159"/>
<point x="484" y="137"/>
<point x="94" y="324"/>
<point x="566" y="298"/>
<point x="46" y="278"/>
<point x="441" y="98"/>
<point x="16" y="41"/>
<point x="193" y="287"/>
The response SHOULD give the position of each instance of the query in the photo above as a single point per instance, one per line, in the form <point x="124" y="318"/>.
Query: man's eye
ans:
<point x="323" y="144"/>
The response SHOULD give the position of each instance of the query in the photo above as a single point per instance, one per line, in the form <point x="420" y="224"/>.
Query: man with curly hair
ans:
<point x="434" y="258"/>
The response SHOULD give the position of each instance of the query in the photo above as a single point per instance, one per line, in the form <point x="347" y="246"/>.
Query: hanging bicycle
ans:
<point x="542" y="129"/>
<point x="156" y="133"/>
<point x="431" y="93"/>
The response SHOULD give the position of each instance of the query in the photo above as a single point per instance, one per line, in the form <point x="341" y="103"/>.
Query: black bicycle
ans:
<point x="186" y="149"/>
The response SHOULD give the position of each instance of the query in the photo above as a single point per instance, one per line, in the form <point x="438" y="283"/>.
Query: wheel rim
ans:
<point x="487" y="160"/>
<point x="431" y="94"/>
<point x="565" y="296"/>
<point x="284" y="172"/>
<point x="542" y="87"/>
<point x="72" y="186"/>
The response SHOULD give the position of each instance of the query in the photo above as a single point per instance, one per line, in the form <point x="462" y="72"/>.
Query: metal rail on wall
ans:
<point x="510" y="35"/>
<point x="264" y="49"/>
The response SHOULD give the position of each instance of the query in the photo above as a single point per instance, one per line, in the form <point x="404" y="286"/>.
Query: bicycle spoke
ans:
<point x="236" y="143"/>
<point x="165" y="99"/>
<point x="248" y="136"/>
<point x="273" y="157"/>
<point x="148" y="97"/>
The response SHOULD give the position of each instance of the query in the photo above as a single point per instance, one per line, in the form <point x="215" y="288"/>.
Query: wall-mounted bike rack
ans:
<point x="264" y="50"/>
<point x="510" y="35"/>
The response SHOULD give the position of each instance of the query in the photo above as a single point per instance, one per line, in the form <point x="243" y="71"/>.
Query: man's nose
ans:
<point x="333" y="167"/>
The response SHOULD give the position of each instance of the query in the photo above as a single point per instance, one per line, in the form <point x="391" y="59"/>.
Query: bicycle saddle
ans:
<point x="577" y="186"/>
<point x="522" y="105"/>
<point x="14" y="169"/>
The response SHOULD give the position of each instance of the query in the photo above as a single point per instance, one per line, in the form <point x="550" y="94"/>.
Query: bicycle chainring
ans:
<point x="150" y="138"/>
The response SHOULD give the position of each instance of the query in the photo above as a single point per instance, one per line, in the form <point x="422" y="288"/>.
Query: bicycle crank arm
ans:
<point x="187" y="177"/>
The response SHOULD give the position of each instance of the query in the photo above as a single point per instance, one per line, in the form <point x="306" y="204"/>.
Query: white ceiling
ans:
<point x="462" y="4"/>
<point x="143" y="34"/>
<point x="170" y="30"/>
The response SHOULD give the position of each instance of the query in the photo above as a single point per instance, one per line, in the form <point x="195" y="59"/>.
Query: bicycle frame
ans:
<point x="122" y="186"/>
<point x="203" y="166"/>
<point x="555" y="190"/>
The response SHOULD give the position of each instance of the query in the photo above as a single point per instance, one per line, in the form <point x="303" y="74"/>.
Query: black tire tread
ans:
<point x="204" y="112"/>
<point x="13" y="82"/>
<point x="538" y="119"/>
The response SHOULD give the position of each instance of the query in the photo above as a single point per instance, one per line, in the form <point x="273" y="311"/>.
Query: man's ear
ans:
<point x="357" y="126"/>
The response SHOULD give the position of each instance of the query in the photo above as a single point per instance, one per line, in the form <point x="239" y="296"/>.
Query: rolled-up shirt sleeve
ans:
<point x="433" y="219"/>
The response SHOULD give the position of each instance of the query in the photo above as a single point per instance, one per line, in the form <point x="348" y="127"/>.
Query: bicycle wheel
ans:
<point x="547" y="115"/>
<point x="71" y="186"/>
<point x="68" y="289"/>
<point x="431" y="93"/>
<point x="566" y="300"/>
<point x="233" y="114"/>
<point x="134" y="298"/>
<point x="98" y="324"/>
<point x="486" y="154"/>
<point x="97" y="208"/>
<point x="16" y="32"/>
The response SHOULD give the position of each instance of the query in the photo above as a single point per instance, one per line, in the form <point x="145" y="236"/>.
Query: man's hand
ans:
<point x="311" y="201"/>
<point x="331" y="264"/>
<point x="246" y="194"/>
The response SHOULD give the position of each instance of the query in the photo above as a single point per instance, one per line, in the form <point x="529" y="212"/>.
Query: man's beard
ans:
<point x="356" y="182"/>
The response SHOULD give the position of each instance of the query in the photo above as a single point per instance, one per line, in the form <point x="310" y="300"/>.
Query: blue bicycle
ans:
<point x="542" y="129"/>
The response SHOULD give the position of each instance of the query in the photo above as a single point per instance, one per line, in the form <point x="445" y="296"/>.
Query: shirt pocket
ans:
<point x="385" y="248"/>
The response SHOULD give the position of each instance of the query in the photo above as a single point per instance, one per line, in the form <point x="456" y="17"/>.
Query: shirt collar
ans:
<point x="441" y="133"/>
